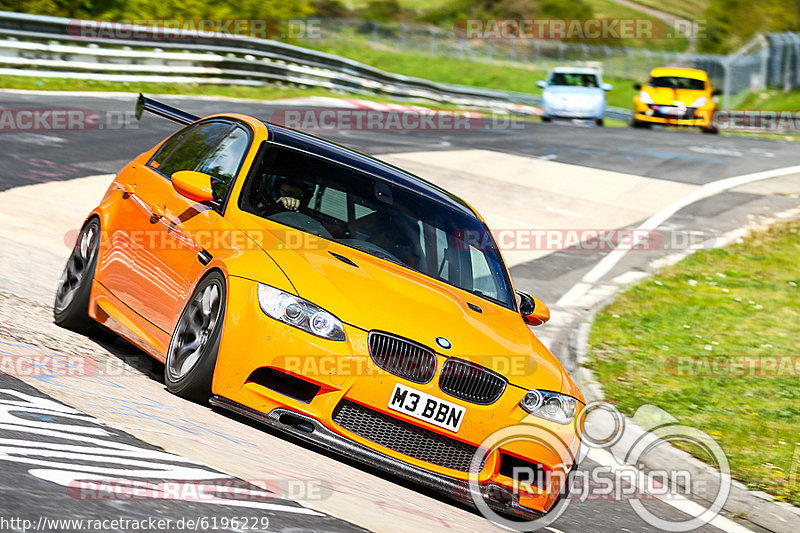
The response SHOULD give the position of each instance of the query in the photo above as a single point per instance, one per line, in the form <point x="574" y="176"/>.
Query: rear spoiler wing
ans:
<point x="163" y="110"/>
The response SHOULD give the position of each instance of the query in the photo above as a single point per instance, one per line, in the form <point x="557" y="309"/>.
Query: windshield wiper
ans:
<point x="476" y="292"/>
<point x="377" y="253"/>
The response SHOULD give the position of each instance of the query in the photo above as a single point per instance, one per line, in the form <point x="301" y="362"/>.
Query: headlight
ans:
<point x="700" y="102"/>
<point x="550" y="405"/>
<point x="299" y="313"/>
<point x="645" y="98"/>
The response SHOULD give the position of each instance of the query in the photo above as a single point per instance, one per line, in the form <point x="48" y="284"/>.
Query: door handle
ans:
<point x="128" y="190"/>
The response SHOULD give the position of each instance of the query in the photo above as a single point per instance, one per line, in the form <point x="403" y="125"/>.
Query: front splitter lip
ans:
<point x="498" y="498"/>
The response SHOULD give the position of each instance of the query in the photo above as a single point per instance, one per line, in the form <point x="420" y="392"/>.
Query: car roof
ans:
<point x="576" y="70"/>
<point x="681" y="72"/>
<point x="381" y="170"/>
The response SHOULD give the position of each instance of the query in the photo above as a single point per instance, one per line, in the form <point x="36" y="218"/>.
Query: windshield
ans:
<point x="675" y="82"/>
<point x="356" y="209"/>
<point x="573" y="79"/>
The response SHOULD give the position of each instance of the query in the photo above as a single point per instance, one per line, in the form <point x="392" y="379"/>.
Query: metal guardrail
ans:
<point x="47" y="47"/>
<point x="50" y="47"/>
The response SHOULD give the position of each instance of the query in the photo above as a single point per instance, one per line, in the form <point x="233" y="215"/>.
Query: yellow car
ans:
<point x="675" y="97"/>
<point x="334" y="297"/>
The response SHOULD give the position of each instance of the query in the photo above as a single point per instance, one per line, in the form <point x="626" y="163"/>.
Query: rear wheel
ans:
<point x="640" y="124"/>
<point x="192" y="352"/>
<point x="71" y="306"/>
<point x="546" y="119"/>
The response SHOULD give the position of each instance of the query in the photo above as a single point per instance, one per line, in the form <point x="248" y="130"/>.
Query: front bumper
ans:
<point x="655" y="114"/>
<point x="586" y="114"/>
<point x="329" y="374"/>
<point x="496" y="496"/>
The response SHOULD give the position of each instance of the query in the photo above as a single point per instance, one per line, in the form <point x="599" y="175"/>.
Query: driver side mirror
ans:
<point x="193" y="185"/>
<point x="533" y="310"/>
<point x="541" y="83"/>
<point x="637" y="86"/>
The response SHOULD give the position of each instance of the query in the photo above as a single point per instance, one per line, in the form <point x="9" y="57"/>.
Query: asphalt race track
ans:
<point x="117" y="420"/>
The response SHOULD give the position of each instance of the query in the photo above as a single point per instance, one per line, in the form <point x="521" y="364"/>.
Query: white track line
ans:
<point x="681" y="503"/>
<point x="572" y="296"/>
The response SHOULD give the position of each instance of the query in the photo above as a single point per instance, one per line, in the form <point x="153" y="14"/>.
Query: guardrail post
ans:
<point x="796" y="81"/>
<point x="726" y="85"/>
<point x="628" y="63"/>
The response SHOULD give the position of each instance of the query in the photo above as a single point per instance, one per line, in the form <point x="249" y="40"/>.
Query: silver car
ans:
<point x="574" y="92"/>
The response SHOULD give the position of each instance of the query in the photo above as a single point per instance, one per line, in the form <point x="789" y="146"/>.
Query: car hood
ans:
<point x="381" y="295"/>
<point x="668" y="96"/>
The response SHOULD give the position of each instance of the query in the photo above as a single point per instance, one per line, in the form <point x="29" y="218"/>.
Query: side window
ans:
<point x="194" y="147"/>
<point x="334" y="203"/>
<point x="223" y="162"/>
<point x="169" y="145"/>
<point x="362" y="211"/>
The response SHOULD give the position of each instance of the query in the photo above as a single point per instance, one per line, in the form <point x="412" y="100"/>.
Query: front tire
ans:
<point x="192" y="353"/>
<point x="71" y="306"/>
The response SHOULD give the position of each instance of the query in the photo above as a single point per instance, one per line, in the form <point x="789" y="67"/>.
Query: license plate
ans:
<point x="426" y="407"/>
<point x="673" y="111"/>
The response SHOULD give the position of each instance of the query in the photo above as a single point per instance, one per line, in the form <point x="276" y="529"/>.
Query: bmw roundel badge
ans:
<point x="443" y="343"/>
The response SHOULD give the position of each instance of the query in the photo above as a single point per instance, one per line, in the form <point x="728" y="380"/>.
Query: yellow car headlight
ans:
<point x="300" y="313"/>
<point x="550" y="405"/>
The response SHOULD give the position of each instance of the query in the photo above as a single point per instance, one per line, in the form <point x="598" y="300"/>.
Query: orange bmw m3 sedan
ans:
<point x="335" y="297"/>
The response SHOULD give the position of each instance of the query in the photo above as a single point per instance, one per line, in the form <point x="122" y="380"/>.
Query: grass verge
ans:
<point x="503" y="77"/>
<point x="773" y="100"/>
<point x="657" y="341"/>
<point x="186" y="89"/>
<point x="690" y="9"/>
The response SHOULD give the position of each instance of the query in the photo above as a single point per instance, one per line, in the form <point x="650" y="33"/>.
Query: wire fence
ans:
<point x="773" y="60"/>
<point x="783" y="65"/>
